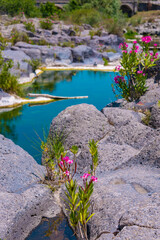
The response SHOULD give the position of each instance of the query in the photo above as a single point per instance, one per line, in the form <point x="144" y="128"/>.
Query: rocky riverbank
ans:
<point x="126" y="196"/>
<point x="62" y="45"/>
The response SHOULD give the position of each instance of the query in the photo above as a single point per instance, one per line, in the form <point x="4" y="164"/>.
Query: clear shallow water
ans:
<point x="52" y="229"/>
<point x="23" y="124"/>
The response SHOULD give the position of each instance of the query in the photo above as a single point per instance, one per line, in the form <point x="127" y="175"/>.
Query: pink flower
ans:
<point x="61" y="162"/>
<point x="146" y="55"/>
<point x="139" y="72"/>
<point x="94" y="179"/>
<point x="151" y="54"/>
<point x="66" y="158"/>
<point x="134" y="42"/>
<point x="120" y="45"/>
<point x="156" y="54"/>
<point x="124" y="51"/>
<point x="155" y="45"/>
<point x="146" y="39"/>
<point x="136" y="51"/>
<point x="67" y="173"/>
<point x="118" y="67"/>
<point x="137" y="47"/>
<point x="130" y="51"/>
<point x="85" y="175"/>
<point x="70" y="161"/>
<point x="144" y="74"/>
<point x="152" y="60"/>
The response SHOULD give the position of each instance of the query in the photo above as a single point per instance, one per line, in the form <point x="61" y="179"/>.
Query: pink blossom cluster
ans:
<point x="118" y="78"/>
<point x="123" y="45"/>
<point x="86" y="175"/>
<point x="146" y="39"/>
<point x="139" y="72"/>
<point x="118" y="67"/>
<point x="67" y="160"/>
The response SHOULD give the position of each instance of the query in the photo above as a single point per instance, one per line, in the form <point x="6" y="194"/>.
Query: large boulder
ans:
<point x="23" y="200"/>
<point x="80" y="123"/>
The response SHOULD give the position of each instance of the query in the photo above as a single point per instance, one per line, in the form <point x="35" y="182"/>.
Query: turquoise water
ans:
<point x="26" y="124"/>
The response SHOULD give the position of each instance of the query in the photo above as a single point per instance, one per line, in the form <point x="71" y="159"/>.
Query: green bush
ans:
<point x="49" y="9"/>
<point x="17" y="36"/>
<point x="105" y="61"/>
<point x="130" y="34"/>
<point x="8" y="82"/>
<point x="14" y="7"/>
<point x="3" y="42"/>
<point x="46" y="24"/>
<point x="35" y="63"/>
<point x="88" y="16"/>
<point x="109" y="7"/>
<point x="29" y="26"/>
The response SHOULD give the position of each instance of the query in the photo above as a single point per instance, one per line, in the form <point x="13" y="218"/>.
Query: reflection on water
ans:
<point x="52" y="229"/>
<point x="8" y="122"/>
<point x="47" y="81"/>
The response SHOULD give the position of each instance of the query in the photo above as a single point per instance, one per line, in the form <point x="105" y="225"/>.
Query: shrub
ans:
<point x="14" y="7"/>
<point x="29" y="26"/>
<point x="35" y="63"/>
<point x="130" y="34"/>
<point x="77" y="197"/>
<point x="8" y="82"/>
<point x="105" y="61"/>
<point x="46" y="24"/>
<point x="88" y="16"/>
<point x="17" y="36"/>
<point x="3" y="42"/>
<point x="131" y="83"/>
<point x="49" y="9"/>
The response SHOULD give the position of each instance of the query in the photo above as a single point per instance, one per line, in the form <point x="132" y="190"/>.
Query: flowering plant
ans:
<point x="78" y="198"/>
<point x="29" y="26"/>
<point x="131" y="83"/>
<point x="46" y="24"/>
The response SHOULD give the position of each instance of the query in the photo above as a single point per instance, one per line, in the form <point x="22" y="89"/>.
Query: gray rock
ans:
<point x="112" y="56"/>
<point x="119" y="117"/>
<point x="21" y="67"/>
<point x="138" y="233"/>
<point x="132" y="133"/>
<point x="81" y="40"/>
<point x="155" y="116"/>
<point x="122" y="191"/>
<point x="14" y="178"/>
<point x="23" y="200"/>
<point x="32" y="53"/>
<point x="81" y="52"/>
<point x="150" y="153"/>
<point x="64" y="54"/>
<point x="116" y="155"/>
